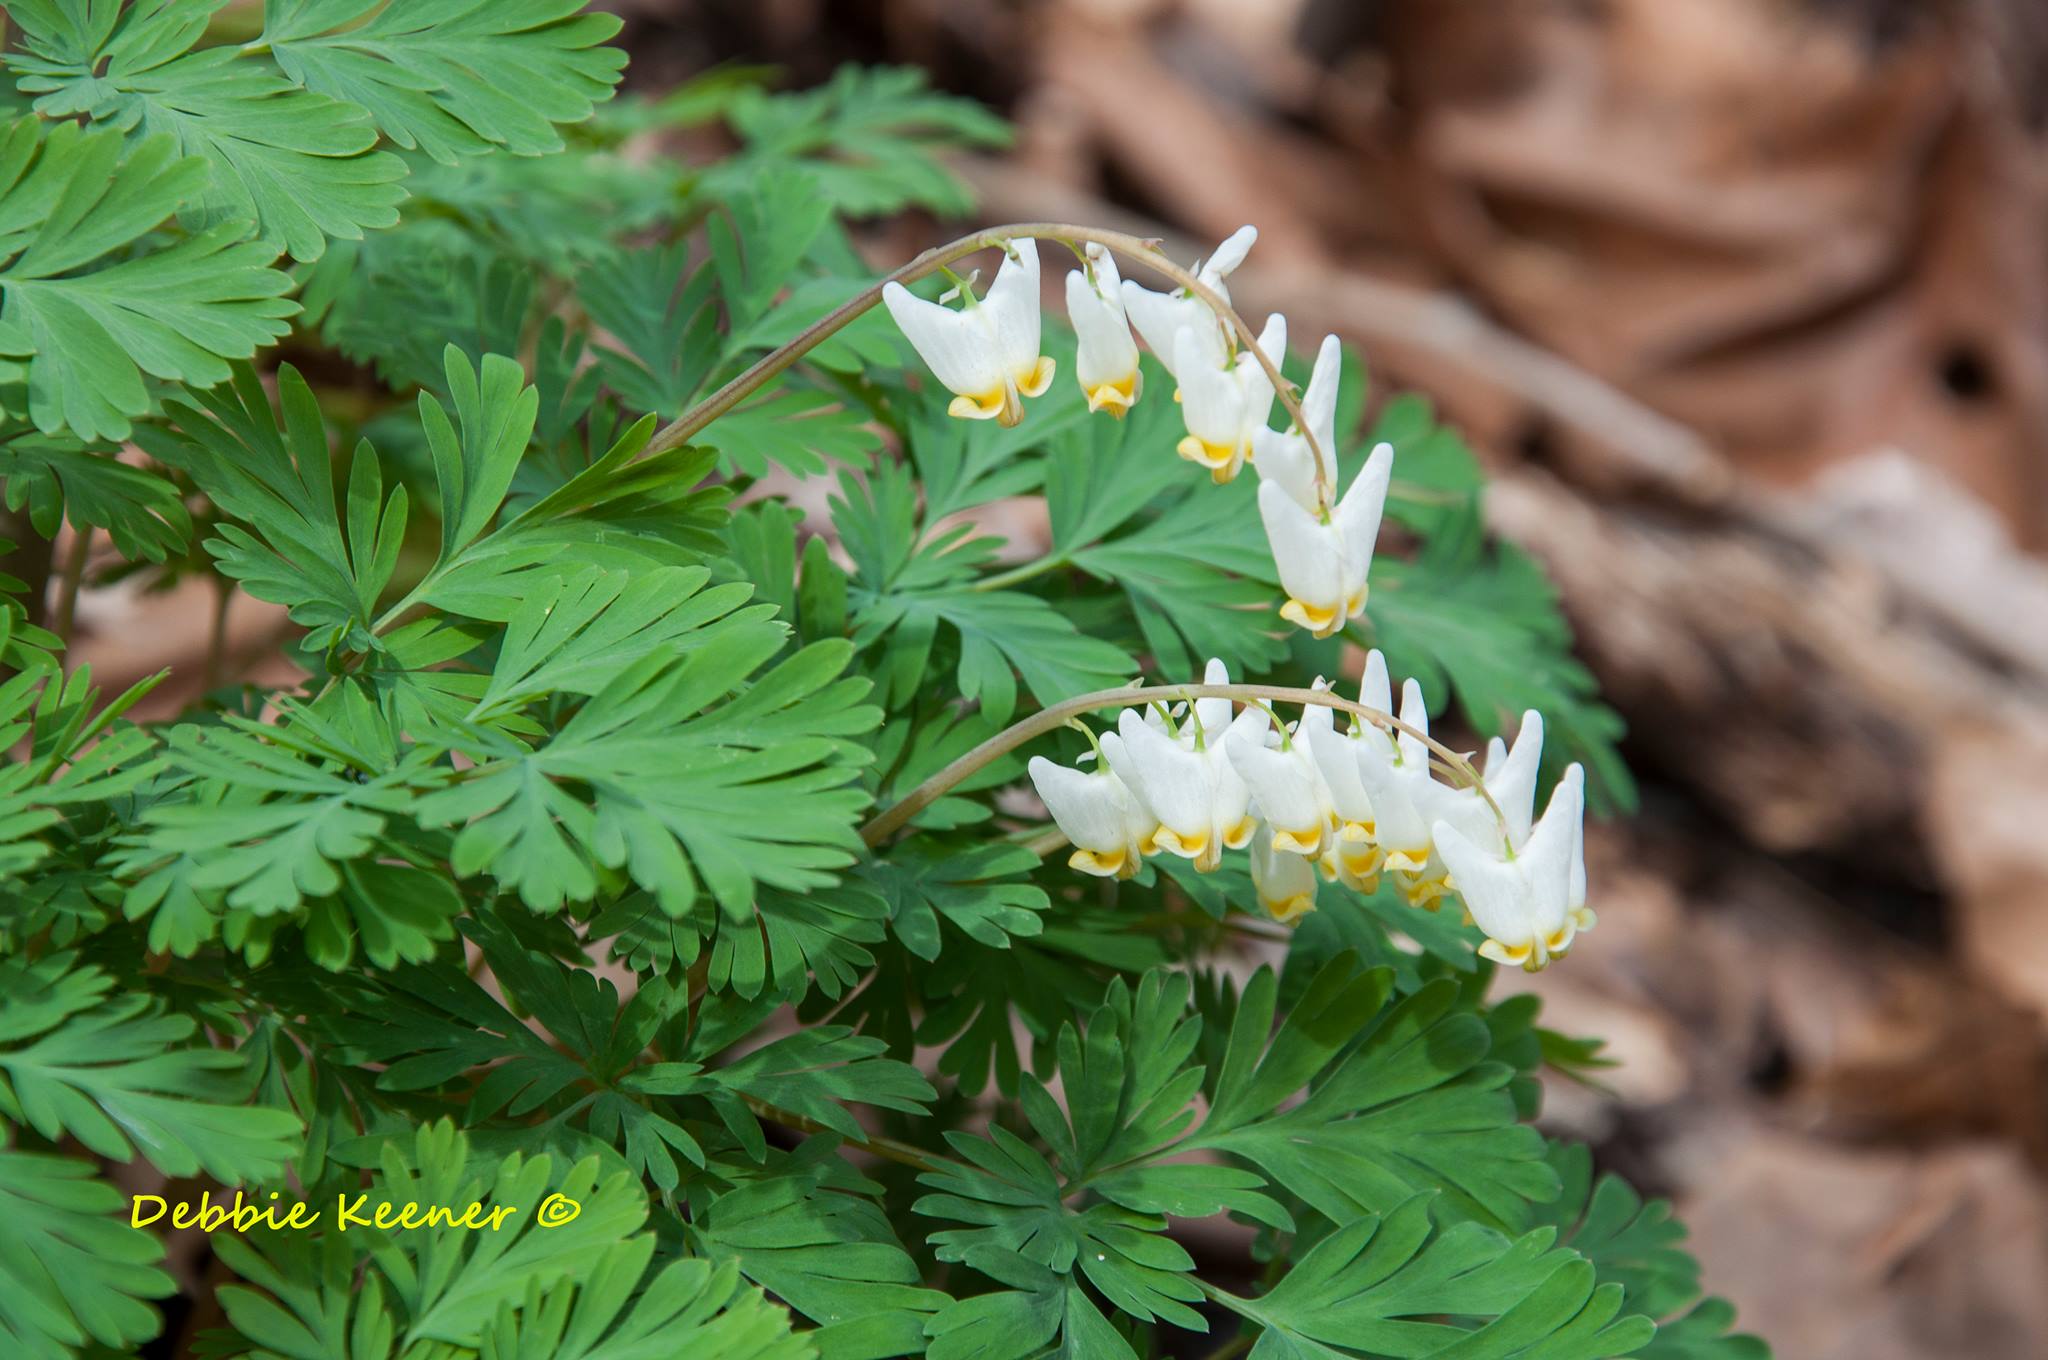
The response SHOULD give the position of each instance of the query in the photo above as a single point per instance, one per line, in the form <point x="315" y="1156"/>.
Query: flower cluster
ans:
<point x="986" y="353"/>
<point x="1206" y="777"/>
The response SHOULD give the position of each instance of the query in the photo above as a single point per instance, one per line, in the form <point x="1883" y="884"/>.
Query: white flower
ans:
<point x="1284" y="881"/>
<point x="1161" y="317"/>
<point x="1225" y="402"/>
<point x="1355" y="857"/>
<point x="1522" y="900"/>
<point x="1323" y="564"/>
<point x="1285" y="457"/>
<point x="1286" y="787"/>
<point x="1575" y="897"/>
<point x="1396" y="777"/>
<point x="1098" y="813"/>
<point x="987" y="353"/>
<point x="1185" y="779"/>
<point x="1106" y="361"/>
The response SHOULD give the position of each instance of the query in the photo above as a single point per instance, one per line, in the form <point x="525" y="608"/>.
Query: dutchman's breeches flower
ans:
<point x="1098" y="813"/>
<point x="1523" y="899"/>
<point x="1287" y="789"/>
<point x="1396" y="776"/>
<point x="1185" y="778"/>
<point x="1226" y="403"/>
<point x="1284" y="881"/>
<point x="1161" y="317"/>
<point x="986" y="353"/>
<point x="1355" y="857"/>
<point x="1323" y="562"/>
<point x="1106" y="359"/>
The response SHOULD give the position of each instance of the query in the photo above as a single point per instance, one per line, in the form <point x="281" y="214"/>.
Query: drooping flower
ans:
<point x="1284" y="881"/>
<point x="1161" y="317"/>
<point x="1323" y="561"/>
<point x="1522" y="899"/>
<point x="1184" y="776"/>
<point x="1286" y="787"/>
<point x="1396" y="777"/>
<point x="1286" y="458"/>
<point x="1095" y="810"/>
<point x="1225" y="401"/>
<point x="1355" y="857"/>
<point x="1106" y="361"/>
<point x="986" y="353"/>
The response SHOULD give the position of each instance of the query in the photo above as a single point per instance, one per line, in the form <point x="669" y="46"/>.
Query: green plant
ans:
<point x="638" y="843"/>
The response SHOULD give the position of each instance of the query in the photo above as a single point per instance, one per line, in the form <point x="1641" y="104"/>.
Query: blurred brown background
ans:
<point x="1746" y="301"/>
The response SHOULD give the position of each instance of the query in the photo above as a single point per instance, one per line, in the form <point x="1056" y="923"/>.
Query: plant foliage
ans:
<point x="545" y="879"/>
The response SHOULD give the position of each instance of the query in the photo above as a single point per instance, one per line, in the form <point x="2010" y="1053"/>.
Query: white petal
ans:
<point x="1228" y="256"/>
<point x="1307" y="554"/>
<point x="1415" y="713"/>
<point x="1161" y="317"/>
<point x="1319" y="401"/>
<point x="1210" y="399"/>
<point x="1105" y="353"/>
<point x="957" y="345"/>
<point x="1546" y="861"/>
<point x="1337" y="759"/>
<point x="1375" y="689"/>
<point x="1285" y="882"/>
<point x="1512" y="780"/>
<point x="1090" y="808"/>
<point x="1215" y="713"/>
<point x="1257" y="388"/>
<point x="1358" y="514"/>
<point x="1173" y="781"/>
<point x="1494" y="890"/>
<point x="1391" y="787"/>
<point x="1285" y="460"/>
<point x="1013" y="301"/>
<point x="1283" y="786"/>
<point x="1230" y="797"/>
<point x="1575" y="896"/>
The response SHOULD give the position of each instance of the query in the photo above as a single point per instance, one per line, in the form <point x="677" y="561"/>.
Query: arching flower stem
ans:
<point x="888" y="822"/>
<point x="692" y="422"/>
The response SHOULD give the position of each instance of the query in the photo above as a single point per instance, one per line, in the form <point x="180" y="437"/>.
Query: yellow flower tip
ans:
<point x="1427" y="893"/>
<point x="1239" y="836"/>
<point x="1114" y="397"/>
<point x="985" y="406"/>
<point x="1176" y="396"/>
<point x="1515" y="956"/>
<point x="1034" y="383"/>
<point x="1288" y="910"/>
<point x="1309" y="842"/>
<point x="1187" y="847"/>
<point x="1218" y="458"/>
<point x="1408" y="861"/>
<point x="1559" y="940"/>
<point x="1583" y="918"/>
<point x="1101" y="865"/>
<point x="1320" y="622"/>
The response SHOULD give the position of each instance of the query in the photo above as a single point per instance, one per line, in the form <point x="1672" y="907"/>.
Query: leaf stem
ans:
<point x="1137" y="249"/>
<point x="886" y="823"/>
<point x="66" y="611"/>
<point x="889" y="1149"/>
<point x="1021" y="573"/>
